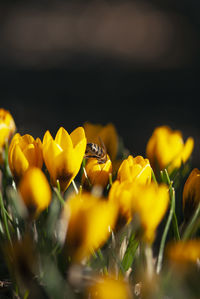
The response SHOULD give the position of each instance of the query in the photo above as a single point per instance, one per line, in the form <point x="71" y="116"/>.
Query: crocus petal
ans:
<point x="50" y="151"/>
<point x="47" y="137"/>
<point x="19" y="160"/>
<point x="63" y="139"/>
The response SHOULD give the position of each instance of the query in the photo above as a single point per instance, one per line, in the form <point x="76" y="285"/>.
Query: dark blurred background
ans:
<point x="133" y="63"/>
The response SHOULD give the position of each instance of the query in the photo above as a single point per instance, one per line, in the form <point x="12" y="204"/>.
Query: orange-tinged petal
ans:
<point x="38" y="150"/>
<point x="63" y="139"/>
<point x="19" y="160"/>
<point x="29" y="153"/>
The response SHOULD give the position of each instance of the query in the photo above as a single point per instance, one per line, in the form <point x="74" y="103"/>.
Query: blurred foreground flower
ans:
<point x="108" y="134"/>
<point x="132" y="171"/>
<point x="110" y="288"/>
<point x="91" y="220"/>
<point x="97" y="173"/>
<point x="184" y="252"/>
<point x="135" y="169"/>
<point x="191" y="193"/>
<point x="121" y="196"/>
<point x="150" y="203"/>
<point x="24" y="152"/>
<point x="167" y="149"/>
<point x="7" y="129"/>
<point x="63" y="156"/>
<point x="35" y="191"/>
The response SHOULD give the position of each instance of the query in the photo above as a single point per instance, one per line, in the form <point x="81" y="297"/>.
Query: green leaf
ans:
<point x="130" y="252"/>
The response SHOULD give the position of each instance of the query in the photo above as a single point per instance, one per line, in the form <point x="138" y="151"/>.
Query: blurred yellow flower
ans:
<point x="97" y="173"/>
<point x="191" y="193"/>
<point x="63" y="156"/>
<point x="24" y="152"/>
<point x="120" y="195"/>
<point x="150" y="203"/>
<point x="184" y="252"/>
<point x="35" y="191"/>
<point x="96" y="132"/>
<point x="110" y="288"/>
<point x="135" y="169"/>
<point x="7" y="129"/>
<point x="91" y="220"/>
<point x="166" y="148"/>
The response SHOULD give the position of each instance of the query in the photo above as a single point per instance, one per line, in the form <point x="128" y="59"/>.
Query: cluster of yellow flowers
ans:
<point x="110" y="196"/>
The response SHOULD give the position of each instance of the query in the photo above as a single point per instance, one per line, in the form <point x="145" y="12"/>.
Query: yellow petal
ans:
<point x="63" y="139"/>
<point x="79" y="143"/>
<point x="47" y="137"/>
<point x="19" y="160"/>
<point x="50" y="151"/>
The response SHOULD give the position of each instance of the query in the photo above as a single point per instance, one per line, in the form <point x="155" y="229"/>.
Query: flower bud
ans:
<point x="135" y="169"/>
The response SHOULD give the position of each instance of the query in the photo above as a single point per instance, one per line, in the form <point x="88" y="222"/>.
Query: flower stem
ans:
<point x="164" y="236"/>
<point x="58" y="193"/>
<point x="75" y="187"/>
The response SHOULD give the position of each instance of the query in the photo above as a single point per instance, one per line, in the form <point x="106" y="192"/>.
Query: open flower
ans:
<point x="191" y="193"/>
<point x="35" y="191"/>
<point x="96" y="133"/>
<point x="63" y="156"/>
<point x="97" y="173"/>
<point x="150" y="203"/>
<point x="135" y="169"/>
<point x="108" y="287"/>
<point x="24" y="152"/>
<point x="7" y="129"/>
<point x="166" y="148"/>
<point x="90" y="222"/>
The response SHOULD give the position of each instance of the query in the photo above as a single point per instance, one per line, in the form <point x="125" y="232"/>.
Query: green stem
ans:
<point x="164" y="236"/>
<point x="57" y="191"/>
<point x="5" y="218"/>
<point x="173" y="203"/>
<point x="105" y="270"/>
<point x="190" y="228"/>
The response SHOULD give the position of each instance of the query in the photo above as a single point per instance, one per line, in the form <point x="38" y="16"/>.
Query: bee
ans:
<point x="93" y="150"/>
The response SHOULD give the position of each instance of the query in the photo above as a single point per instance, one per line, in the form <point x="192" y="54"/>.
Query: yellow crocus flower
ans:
<point x="35" y="191"/>
<point x="63" y="155"/>
<point x="96" y="133"/>
<point x="24" y="152"/>
<point x="135" y="169"/>
<point x="184" y="252"/>
<point x="166" y="148"/>
<point x="191" y="193"/>
<point x="150" y="203"/>
<point x="7" y="129"/>
<point x="97" y="173"/>
<point x="120" y="195"/>
<point x="108" y="287"/>
<point x="90" y="222"/>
